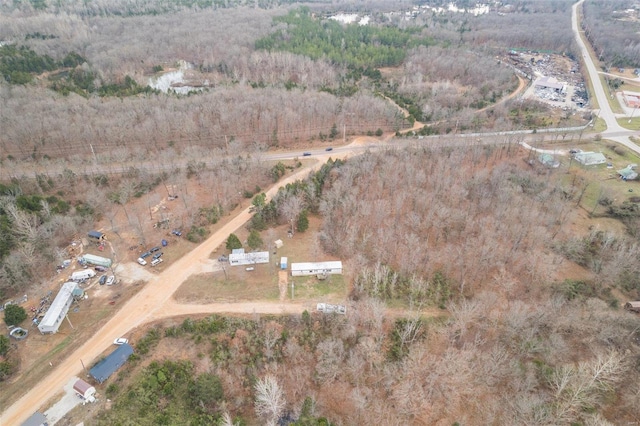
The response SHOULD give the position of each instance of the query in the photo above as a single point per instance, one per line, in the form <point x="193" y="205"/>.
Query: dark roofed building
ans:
<point x="97" y="235"/>
<point x="36" y="419"/>
<point x="105" y="368"/>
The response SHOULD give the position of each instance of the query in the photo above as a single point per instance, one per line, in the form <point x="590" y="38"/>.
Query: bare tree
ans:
<point x="269" y="399"/>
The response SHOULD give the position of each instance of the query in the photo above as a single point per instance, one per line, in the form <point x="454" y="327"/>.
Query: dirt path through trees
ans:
<point x="151" y="303"/>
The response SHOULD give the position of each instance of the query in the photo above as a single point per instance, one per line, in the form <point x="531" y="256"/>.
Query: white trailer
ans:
<point x="83" y="275"/>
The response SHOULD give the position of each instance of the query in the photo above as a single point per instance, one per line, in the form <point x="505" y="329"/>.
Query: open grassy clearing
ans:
<point x="611" y="98"/>
<point x="631" y="124"/>
<point x="234" y="283"/>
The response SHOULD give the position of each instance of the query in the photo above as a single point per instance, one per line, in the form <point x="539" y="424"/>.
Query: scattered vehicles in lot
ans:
<point x="157" y="255"/>
<point x="102" y="280"/>
<point x="111" y="280"/>
<point x="141" y="261"/>
<point x="145" y="254"/>
<point x="154" y="249"/>
<point x="120" y="341"/>
<point x="157" y="261"/>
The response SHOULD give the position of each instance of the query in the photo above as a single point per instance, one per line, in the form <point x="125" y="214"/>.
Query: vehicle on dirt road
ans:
<point x="111" y="280"/>
<point x="141" y="261"/>
<point x="154" y="249"/>
<point x="306" y="154"/>
<point x="120" y="341"/>
<point x="157" y="255"/>
<point x="102" y="280"/>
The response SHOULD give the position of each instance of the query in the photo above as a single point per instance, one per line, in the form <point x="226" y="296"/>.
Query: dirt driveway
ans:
<point x="151" y="303"/>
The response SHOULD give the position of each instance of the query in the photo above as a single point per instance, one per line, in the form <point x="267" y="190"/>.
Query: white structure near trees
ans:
<point x="58" y="309"/>
<point x="239" y="257"/>
<point x="316" y="268"/>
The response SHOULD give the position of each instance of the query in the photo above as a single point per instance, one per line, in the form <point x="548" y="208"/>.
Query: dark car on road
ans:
<point x="306" y="154"/>
<point x="154" y="249"/>
<point x="328" y="149"/>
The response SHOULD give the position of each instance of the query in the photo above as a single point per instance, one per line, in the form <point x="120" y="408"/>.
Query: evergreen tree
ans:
<point x="303" y="221"/>
<point x="233" y="242"/>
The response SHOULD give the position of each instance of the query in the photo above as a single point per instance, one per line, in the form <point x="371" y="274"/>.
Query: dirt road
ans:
<point x="151" y="303"/>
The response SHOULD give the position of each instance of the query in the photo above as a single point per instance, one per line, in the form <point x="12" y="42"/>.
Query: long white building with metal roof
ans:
<point x="58" y="309"/>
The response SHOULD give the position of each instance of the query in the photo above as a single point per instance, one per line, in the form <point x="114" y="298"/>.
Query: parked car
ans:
<point x="177" y="232"/>
<point x="111" y="280"/>
<point x="141" y="261"/>
<point x="145" y="254"/>
<point x="329" y="149"/>
<point x="102" y="280"/>
<point x="100" y="269"/>
<point x="120" y="341"/>
<point x="306" y="154"/>
<point x="157" y="261"/>
<point x="157" y="255"/>
<point x="154" y="249"/>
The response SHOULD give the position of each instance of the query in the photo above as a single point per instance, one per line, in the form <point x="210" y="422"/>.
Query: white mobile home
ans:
<point x="58" y="309"/>
<point x="239" y="257"/>
<point x="316" y="268"/>
<point x="590" y="158"/>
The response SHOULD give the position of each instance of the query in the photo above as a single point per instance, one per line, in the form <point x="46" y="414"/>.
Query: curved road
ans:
<point x="154" y="300"/>
<point x="151" y="303"/>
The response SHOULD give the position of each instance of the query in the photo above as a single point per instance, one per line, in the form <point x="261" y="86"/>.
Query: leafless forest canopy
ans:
<point x="612" y="28"/>
<point x="268" y="98"/>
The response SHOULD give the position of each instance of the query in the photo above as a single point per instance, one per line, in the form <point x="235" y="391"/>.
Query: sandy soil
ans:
<point x="152" y="303"/>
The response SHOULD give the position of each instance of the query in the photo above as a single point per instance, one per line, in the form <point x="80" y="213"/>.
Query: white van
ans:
<point x="157" y="261"/>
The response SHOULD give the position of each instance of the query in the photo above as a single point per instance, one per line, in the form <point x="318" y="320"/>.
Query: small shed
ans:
<point x="283" y="263"/>
<point x="116" y="359"/>
<point x="36" y="419"/>
<point x="85" y="390"/>
<point x="548" y="160"/>
<point x="628" y="173"/>
<point x="96" y="235"/>
<point x="278" y="243"/>
<point x="633" y="306"/>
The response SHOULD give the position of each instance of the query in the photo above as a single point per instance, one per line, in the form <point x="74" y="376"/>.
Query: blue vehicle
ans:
<point x="145" y="254"/>
<point x="157" y="255"/>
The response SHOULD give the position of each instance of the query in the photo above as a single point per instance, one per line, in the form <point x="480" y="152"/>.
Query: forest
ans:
<point x="496" y="326"/>
<point x="285" y="94"/>
<point x="473" y="300"/>
<point x="611" y="26"/>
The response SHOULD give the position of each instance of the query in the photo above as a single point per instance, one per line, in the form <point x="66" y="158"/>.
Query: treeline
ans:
<point x="612" y="30"/>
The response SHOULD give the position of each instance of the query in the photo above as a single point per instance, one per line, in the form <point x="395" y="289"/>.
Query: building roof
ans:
<point x="550" y="82"/>
<point x="628" y="173"/>
<point x="116" y="359"/>
<point x="634" y="305"/>
<point x="58" y="304"/>
<point x="237" y="251"/>
<point x="246" y="258"/>
<point x="81" y="386"/>
<point x="310" y="266"/>
<point x="95" y="234"/>
<point x="548" y="160"/>
<point x="92" y="258"/>
<point x="590" y="157"/>
<point x="36" y="419"/>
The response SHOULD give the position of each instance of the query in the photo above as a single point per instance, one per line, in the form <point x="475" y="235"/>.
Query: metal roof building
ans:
<point x="96" y="260"/>
<point x="36" y="419"/>
<point x="316" y="268"/>
<point x="58" y="309"/>
<point x="239" y="257"/>
<point x="116" y="359"/>
<point x="590" y="158"/>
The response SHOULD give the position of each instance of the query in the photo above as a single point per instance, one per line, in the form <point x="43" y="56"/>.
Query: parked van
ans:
<point x="157" y="261"/>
